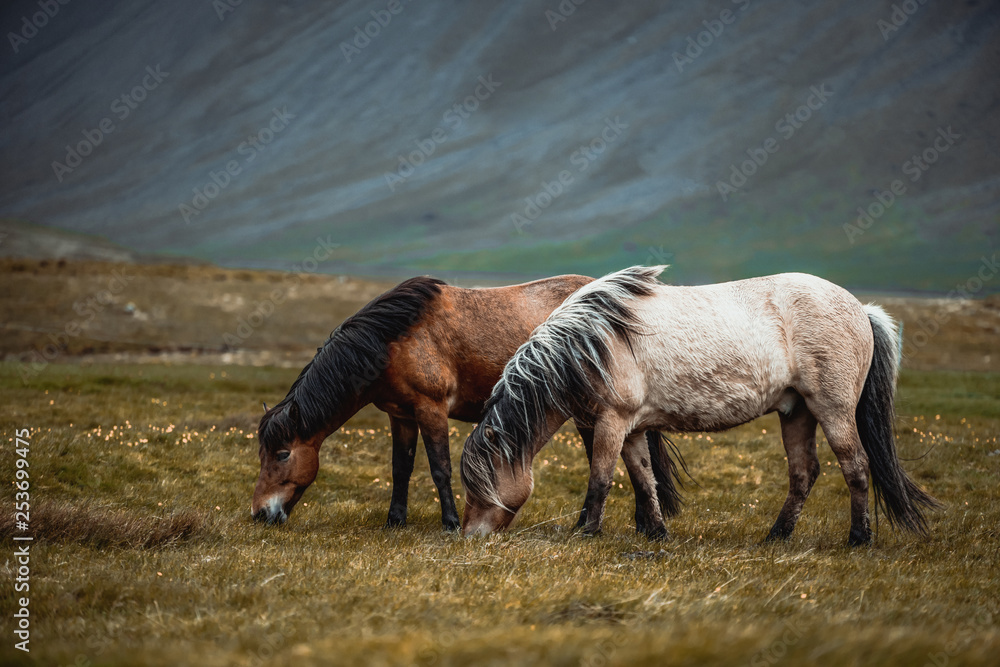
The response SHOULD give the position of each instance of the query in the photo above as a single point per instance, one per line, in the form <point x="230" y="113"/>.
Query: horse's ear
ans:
<point x="489" y="433"/>
<point x="293" y="413"/>
<point x="265" y="406"/>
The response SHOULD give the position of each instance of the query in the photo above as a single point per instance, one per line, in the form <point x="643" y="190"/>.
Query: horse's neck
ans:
<point x="553" y="422"/>
<point x="345" y="412"/>
<point x="338" y="417"/>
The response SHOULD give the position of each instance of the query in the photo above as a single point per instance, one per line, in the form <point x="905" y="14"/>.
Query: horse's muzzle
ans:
<point x="477" y="529"/>
<point x="271" y="513"/>
<point x="479" y="522"/>
<point x="263" y="516"/>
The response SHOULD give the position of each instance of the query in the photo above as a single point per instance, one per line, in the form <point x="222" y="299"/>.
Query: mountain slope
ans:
<point x="312" y="117"/>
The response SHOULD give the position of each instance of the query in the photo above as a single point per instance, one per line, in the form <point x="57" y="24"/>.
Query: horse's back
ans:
<point x="830" y="340"/>
<point x="725" y="353"/>
<point x="456" y="352"/>
<point x="774" y="316"/>
<point x="487" y="325"/>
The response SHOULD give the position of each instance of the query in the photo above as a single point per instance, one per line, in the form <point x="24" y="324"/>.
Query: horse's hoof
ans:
<point x="658" y="534"/>
<point x="451" y="525"/>
<point x="859" y="539"/>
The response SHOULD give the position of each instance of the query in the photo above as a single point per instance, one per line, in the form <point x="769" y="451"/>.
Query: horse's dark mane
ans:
<point x="562" y="367"/>
<point x="351" y="358"/>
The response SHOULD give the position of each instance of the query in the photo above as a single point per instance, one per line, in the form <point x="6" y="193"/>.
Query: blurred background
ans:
<point x="216" y="181"/>
<point x="497" y="141"/>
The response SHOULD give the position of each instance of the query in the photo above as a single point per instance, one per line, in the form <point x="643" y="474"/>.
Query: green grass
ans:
<point x="145" y="554"/>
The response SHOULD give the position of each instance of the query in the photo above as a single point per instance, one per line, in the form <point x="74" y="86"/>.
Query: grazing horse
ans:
<point x="422" y="352"/>
<point x="626" y="353"/>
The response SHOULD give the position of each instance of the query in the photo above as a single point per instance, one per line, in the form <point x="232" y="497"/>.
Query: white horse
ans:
<point x="627" y="354"/>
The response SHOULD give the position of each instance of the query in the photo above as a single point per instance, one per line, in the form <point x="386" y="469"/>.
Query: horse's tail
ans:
<point x="666" y="472"/>
<point x="898" y="495"/>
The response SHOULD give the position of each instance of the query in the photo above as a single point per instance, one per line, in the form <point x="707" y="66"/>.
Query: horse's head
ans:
<point x="496" y="482"/>
<point x="288" y="464"/>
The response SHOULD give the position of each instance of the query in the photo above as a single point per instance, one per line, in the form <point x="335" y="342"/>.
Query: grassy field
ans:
<point x="144" y="552"/>
<point x="103" y="311"/>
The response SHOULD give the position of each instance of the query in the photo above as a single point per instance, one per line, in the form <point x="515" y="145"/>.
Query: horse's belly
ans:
<point x="714" y="400"/>
<point x="709" y="414"/>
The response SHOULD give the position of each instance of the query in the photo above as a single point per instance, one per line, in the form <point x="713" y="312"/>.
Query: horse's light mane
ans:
<point x="562" y="367"/>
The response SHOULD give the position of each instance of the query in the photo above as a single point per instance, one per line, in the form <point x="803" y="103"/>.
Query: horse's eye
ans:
<point x="283" y="455"/>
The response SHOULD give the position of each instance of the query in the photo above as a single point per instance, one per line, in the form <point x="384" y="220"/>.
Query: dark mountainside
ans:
<point x="612" y="119"/>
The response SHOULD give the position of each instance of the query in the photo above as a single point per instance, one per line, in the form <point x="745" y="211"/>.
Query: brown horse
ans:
<point x="423" y="352"/>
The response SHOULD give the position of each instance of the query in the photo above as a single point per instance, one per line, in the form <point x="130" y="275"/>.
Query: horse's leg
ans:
<point x="587" y="435"/>
<point x="798" y="435"/>
<point x="636" y="475"/>
<point x="637" y="461"/>
<point x="404" y="448"/>
<point x="842" y="433"/>
<point x="641" y="523"/>
<point x="609" y="437"/>
<point x="434" y="430"/>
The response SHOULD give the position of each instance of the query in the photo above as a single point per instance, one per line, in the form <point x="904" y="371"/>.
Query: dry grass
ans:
<point x="104" y="527"/>
<point x="184" y="310"/>
<point x="145" y="554"/>
<point x="170" y="308"/>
